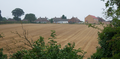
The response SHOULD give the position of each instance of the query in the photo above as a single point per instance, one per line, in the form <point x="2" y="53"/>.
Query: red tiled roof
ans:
<point x="94" y="17"/>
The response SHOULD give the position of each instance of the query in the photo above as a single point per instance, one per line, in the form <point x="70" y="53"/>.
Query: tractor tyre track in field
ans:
<point x="84" y="37"/>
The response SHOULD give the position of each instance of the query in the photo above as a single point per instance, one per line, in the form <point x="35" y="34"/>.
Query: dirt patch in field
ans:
<point x="84" y="37"/>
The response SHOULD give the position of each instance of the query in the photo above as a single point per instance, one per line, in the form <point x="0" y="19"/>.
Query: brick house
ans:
<point x="74" y="20"/>
<point x="41" y="20"/>
<point x="91" y="19"/>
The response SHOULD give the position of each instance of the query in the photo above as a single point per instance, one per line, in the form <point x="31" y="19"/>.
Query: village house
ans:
<point x="74" y="20"/>
<point x="41" y="20"/>
<point x="103" y="21"/>
<point x="59" y="20"/>
<point x="13" y="20"/>
<point x="91" y="19"/>
<point x="25" y="20"/>
<point x="100" y="19"/>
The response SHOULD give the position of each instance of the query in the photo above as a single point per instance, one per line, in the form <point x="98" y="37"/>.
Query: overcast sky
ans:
<point x="54" y="8"/>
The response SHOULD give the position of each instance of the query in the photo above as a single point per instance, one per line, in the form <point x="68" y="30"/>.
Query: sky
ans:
<point x="54" y="8"/>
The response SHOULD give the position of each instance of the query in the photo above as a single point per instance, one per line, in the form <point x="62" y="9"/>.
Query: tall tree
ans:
<point x="17" y="13"/>
<point x="64" y="17"/>
<point x="30" y="17"/>
<point x="112" y="11"/>
<point x="0" y="16"/>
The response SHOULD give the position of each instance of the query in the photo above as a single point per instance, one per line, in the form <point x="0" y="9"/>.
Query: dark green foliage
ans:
<point x="109" y="37"/>
<point x="17" y="13"/>
<point x="0" y="16"/>
<point x="51" y="20"/>
<point x="30" y="17"/>
<point x="64" y="17"/>
<point x="2" y="56"/>
<point x="50" y="51"/>
<point x="111" y="8"/>
<point x="109" y="40"/>
<point x="4" y="19"/>
<point x="13" y="22"/>
<point x="16" y="18"/>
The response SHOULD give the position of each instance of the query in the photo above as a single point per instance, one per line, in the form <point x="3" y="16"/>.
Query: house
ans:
<point x="100" y="19"/>
<point x="74" y="20"/>
<point x="10" y="19"/>
<point x="41" y="20"/>
<point x="59" y="20"/>
<point x="91" y="19"/>
<point x="25" y="20"/>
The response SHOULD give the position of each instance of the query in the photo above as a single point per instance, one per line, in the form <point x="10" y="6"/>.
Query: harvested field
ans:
<point x="84" y="37"/>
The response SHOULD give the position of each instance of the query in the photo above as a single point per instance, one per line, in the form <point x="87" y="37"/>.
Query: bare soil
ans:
<point x="84" y="37"/>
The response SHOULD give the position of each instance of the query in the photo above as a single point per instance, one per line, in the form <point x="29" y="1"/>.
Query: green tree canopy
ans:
<point x="30" y="17"/>
<point x="17" y="12"/>
<point x="0" y="16"/>
<point x="51" y="20"/>
<point x="112" y="11"/>
<point x="64" y="17"/>
<point x="4" y="18"/>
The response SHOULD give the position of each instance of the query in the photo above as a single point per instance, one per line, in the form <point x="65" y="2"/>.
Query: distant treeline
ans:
<point x="11" y="22"/>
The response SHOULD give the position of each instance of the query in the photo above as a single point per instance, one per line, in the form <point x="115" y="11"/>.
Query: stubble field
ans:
<point x="84" y="37"/>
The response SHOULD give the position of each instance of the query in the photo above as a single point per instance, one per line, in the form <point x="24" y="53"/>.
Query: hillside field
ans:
<point x="84" y="37"/>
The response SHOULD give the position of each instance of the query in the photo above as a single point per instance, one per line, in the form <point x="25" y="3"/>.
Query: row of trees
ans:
<point x="18" y="12"/>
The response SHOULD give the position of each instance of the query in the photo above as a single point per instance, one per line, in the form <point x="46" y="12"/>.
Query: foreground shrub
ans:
<point x="109" y="37"/>
<point x="2" y="56"/>
<point x="109" y="40"/>
<point x="51" y="50"/>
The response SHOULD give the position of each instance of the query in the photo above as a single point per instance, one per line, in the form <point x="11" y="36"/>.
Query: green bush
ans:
<point x="2" y="56"/>
<point x="109" y="37"/>
<point x="109" y="40"/>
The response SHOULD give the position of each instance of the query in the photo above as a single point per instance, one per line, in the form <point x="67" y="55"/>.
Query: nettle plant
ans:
<point x="50" y="50"/>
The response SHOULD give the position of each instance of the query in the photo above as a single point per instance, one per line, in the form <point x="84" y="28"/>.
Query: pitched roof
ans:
<point x="59" y="19"/>
<point x="100" y="19"/>
<point x="42" y="19"/>
<point x="93" y="16"/>
<point x="74" y="19"/>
